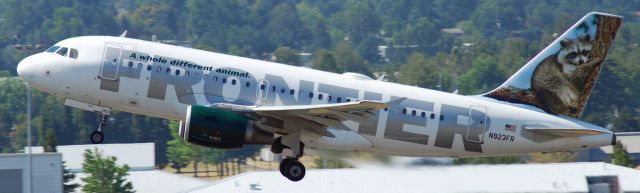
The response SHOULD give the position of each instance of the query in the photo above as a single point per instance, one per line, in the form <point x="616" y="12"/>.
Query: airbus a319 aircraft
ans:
<point x="224" y="101"/>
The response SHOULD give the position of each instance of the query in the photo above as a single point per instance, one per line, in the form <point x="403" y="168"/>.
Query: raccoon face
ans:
<point x="575" y="52"/>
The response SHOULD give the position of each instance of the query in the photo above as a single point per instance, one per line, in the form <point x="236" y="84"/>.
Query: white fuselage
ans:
<point x="423" y="123"/>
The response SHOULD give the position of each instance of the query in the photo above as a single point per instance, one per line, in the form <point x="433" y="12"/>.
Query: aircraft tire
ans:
<point x="283" y="163"/>
<point x="294" y="171"/>
<point x="96" y="137"/>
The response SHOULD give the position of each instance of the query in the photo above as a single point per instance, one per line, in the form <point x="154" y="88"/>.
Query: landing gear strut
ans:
<point x="290" y="167"/>
<point x="97" y="137"/>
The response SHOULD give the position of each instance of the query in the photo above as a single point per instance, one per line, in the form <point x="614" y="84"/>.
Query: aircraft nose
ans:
<point x="26" y="68"/>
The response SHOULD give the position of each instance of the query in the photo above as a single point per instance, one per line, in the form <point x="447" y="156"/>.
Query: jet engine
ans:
<point x="220" y="128"/>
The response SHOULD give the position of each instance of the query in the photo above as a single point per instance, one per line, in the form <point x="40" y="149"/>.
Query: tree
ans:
<point x="104" y="176"/>
<point x="553" y="157"/>
<point x="348" y="60"/>
<point x="67" y="177"/>
<point x="285" y="27"/>
<point x="621" y="157"/>
<point x="49" y="141"/>
<point x="324" y="60"/>
<point x="286" y="55"/>
<point x="420" y="71"/>
<point x="178" y="151"/>
<point x="325" y="163"/>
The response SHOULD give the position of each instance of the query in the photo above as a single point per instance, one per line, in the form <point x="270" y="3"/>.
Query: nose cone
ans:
<point x="26" y="68"/>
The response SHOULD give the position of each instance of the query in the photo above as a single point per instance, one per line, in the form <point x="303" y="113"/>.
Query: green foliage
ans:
<point x="621" y="157"/>
<point x="178" y="151"/>
<point x="489" y="160"/>
<point x="67" y="177"/>
<point x="286" y="55"/>
<point x="104" y="176"/>
<point x="553" y="157"/>
<point x="50" y="141"/>
<point x="326" y="163"/>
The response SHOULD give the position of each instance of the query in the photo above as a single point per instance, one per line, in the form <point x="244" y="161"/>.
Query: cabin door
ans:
<point x="477" y="123"/>
<point x="111" y="60"/>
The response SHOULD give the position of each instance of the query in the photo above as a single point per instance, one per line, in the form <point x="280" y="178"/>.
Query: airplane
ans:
<point x="225" y="101"/>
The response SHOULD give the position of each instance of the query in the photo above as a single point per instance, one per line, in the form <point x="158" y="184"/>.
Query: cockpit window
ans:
<point x="53" y="49"/>
<point x="73" y="53"/>
<point x="62" y="51"/>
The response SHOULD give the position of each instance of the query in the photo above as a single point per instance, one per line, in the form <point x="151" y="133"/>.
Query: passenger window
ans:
<point x="339" y="100"/>
<point x="73" y="54"/>
<point x="177" y="73"/>
<point x="158" y="69"/>
<point x="404" y="111"/>
<point x="413" y="113"/>
<point x="62" y="51"/>
<point x="423" y="114"/>
<point x="224" y="80"/>
<point x="149" y="67"/>
<point x="262" y="86"/>
<point x="292" y="91"/>
<point x="168" y="70"/>
<point x="441" y="117"/>
<point x="215" y="78"/>
<point x="186" y="73"/>
<point x="53" y="49"/>
<point x="329" y="98"/>
<point x="248" y="84"/>
<point x="273" y="88"/>
<point x="233" y="82"/>
<point x="130" y="64"/>
<point x="281" y="90"/>
<point x="319" y="96"/>
<point x="432" y="116"/>
<point x="311" y="95"/>
<point x="386" y="108"/>
<point x="348" y="100"/>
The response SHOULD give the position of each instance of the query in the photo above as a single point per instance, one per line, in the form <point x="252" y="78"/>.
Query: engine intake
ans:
<point x="219" y="128"/>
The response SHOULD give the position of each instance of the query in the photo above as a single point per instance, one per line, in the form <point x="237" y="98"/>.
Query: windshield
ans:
<point x="53" y="49"/>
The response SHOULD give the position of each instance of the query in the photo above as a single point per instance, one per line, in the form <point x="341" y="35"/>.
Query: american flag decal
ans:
<point x="512" y="128"/>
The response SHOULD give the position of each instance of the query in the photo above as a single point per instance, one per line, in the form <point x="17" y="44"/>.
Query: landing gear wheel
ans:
<point x="284" y="162"/>
<point x="294" y="170"/>
<point x="96" y="137"/>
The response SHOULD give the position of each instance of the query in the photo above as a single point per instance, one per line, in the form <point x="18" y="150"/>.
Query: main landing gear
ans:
<point x="290" y="167"/>
<point x="97" y="137"/>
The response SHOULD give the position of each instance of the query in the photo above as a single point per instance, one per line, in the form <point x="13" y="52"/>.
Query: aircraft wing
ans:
<point x="328" y="115"/>
<point x="321" y="115"/>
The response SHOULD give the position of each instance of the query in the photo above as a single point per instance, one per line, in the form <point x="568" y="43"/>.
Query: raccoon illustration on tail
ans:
<point x="560" y="79"/>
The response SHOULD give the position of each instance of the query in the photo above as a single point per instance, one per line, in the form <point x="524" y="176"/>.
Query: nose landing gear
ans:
<point x="97" y="137"/>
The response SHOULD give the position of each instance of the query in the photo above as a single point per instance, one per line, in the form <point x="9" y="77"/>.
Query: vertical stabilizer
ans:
<point x="560" y="79"/>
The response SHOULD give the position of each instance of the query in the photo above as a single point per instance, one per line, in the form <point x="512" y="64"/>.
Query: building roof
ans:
<point x="138" y="156"/>
<point x="565" y="177"/>
<point x="156" y="181"/>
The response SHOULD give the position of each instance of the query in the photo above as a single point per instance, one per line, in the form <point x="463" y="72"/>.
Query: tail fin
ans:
<point x="560" y="79"/>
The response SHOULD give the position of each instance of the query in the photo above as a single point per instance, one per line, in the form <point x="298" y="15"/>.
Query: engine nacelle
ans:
<point x="219" y="128"/>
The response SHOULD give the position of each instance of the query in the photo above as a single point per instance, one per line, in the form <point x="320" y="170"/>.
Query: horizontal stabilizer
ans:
<point x="628" y="133"/>
<point x="564" y="132"/>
